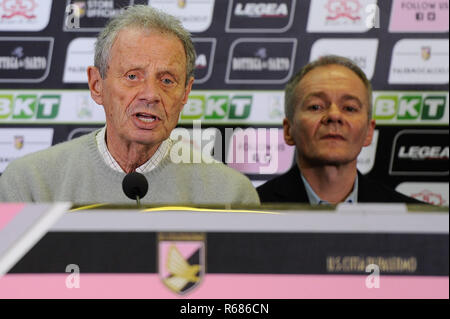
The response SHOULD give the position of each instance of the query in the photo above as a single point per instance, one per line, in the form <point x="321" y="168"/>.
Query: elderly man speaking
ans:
<point x="143" y="74"/>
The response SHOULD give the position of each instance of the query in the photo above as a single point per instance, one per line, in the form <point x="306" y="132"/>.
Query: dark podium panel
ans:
<point x="186" y="250"/>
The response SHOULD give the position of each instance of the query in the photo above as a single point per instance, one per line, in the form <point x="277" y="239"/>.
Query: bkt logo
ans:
<point x="29" y="106"/>
<point x="217" y="107"/>
<point x="410" y="107"/>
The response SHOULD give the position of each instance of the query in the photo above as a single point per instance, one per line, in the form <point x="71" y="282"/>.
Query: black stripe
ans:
<point x="257" y="253"/>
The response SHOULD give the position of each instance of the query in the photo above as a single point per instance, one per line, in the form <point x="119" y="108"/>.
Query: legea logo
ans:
<point x="24" y="15"/>
<point x="260" y="16"/>
<point x="420" y="153"/>
<point x="261" y="10"/>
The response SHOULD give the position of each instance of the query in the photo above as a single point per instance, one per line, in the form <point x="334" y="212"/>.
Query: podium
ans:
<point x="362" y="251"/>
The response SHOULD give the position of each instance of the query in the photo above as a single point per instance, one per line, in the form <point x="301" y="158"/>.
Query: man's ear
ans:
<point x="188" y="90"/>
<point x="370" y="131"/>
<point x="287" y="130"/>
<point x="95" y="83"/>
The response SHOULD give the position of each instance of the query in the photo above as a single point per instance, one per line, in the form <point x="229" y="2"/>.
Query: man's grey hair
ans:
<point x="146" y="18"/>
<point x="290" y="96"/>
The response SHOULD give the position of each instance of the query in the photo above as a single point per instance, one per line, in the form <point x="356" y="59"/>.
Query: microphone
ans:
<point x="135" y="186"/>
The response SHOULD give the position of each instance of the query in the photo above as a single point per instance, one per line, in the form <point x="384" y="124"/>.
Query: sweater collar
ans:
<point x="148" y="166"/>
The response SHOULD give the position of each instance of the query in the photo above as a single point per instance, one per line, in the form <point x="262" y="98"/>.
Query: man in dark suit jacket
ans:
<point x="328" y="108"/>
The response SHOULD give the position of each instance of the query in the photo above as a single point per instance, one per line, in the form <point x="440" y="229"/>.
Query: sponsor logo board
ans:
<point x="362" y="51"/>
<point x="49" y="106"/>
<point x="24" y="59"/>
<point x="432" y="193"/>
<point x="260" y="15"/>
<point x="17" y="142"/>
<point x="419" y="16"/>
<point x="195" y="15"/>
<point x="222" y="107"/>
<point x="81" y="51"/>
<point x="418" y="108"/>
<point x="215" y="107"/>
<point x="366" y="159"/>
<point x="420" y="61"/>
<point x="91" y="16"/>
<point x="80" y="55"/>
<point x="205" y="49"/>
<point x="77" y="106"/>
<point x="261" y="61"/>
<point x="24" y="15"/>
<point x="420" y="153"/>
<point x="259" y="151"/>
<point x="333" y="16"/>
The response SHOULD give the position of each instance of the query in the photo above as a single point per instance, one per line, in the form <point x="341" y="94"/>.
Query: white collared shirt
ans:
<point x="314" y="199"/>
<point x="160" y="153"/>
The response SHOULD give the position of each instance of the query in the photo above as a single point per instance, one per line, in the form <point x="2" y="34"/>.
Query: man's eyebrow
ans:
<point x="347" y="97"/>
<point x="320" y="95"/>
<point x="132" y="67"/>
<point x="324" y="96"/>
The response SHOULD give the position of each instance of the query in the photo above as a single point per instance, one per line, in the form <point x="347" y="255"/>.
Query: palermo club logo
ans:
<point x="426" y="53"/>
<point x="18" y="141"/>
<point x="181" y="259"/>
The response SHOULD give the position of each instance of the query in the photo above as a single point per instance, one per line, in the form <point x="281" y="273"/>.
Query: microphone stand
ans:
<point x="138" y="201"/>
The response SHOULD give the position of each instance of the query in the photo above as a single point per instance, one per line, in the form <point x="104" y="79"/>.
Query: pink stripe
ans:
<point x="223" y="286"/>
<point x="7" y="213"/>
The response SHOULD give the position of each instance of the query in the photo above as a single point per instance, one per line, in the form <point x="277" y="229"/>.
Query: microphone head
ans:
<point x="135" y="184"/>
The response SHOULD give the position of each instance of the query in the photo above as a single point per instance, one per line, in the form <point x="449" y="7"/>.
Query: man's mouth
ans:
<point x="146" y="117"/>
<point x="333" y="137"/>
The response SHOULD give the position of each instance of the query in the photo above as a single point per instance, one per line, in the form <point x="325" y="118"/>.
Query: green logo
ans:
<point x="217" y="107"/>
<point x="409" y="107"/>
<point x="29" y="106"/>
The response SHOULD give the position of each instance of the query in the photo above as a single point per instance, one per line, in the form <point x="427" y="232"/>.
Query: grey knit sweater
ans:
<point x="75" y="171"/>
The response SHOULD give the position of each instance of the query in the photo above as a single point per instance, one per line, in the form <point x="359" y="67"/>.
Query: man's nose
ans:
<point x="333" y="115"/>
<point x="150" y="91"/>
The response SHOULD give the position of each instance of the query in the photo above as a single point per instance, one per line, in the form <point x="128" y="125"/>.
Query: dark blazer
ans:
<point x="289" y="188"/>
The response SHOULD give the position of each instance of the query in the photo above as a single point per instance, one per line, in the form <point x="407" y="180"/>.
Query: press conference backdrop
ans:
<point x="247" y="51"/>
